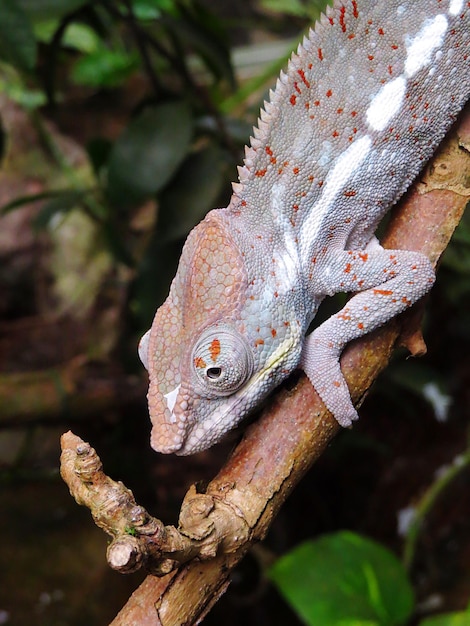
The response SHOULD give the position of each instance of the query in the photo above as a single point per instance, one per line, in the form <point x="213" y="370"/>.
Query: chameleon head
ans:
<point x="208" y="366"/>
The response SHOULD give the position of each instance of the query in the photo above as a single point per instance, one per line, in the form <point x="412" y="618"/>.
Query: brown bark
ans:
<point x="238" y="506"/>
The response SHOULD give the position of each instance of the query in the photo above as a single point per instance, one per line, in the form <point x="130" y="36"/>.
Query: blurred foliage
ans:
<point x="176" y="150"/>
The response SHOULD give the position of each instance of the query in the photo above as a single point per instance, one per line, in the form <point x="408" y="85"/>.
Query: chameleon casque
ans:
<point x="365" y="101"/>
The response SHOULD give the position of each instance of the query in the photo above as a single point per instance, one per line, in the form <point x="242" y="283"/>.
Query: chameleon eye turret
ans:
<point x="222" y="361"/>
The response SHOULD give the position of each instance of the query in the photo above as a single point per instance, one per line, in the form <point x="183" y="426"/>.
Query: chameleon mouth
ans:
<point x="199" y="436"/>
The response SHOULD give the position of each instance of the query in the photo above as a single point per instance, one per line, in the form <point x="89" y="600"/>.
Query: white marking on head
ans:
<point x="455" y="7"/>
<point x="170" y="399"/>
<point x="386" y="103"/>
<point x="143" y="349"/>
<point x="421" y="48"/>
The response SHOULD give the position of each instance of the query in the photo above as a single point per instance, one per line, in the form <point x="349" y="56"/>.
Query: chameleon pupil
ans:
<point x="214" y="372"/>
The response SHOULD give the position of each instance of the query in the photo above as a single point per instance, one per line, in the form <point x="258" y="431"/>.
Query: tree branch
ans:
<point x="236" y="509"/>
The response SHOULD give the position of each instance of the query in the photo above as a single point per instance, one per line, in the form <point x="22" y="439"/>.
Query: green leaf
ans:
<point x="17" y="43"/>
<point x="148" y="153"/>
<point x="98" y="150"/>
<point x="460" y="618"/>
<point x="192" y="193"/>
<point x="77" y="36"/>
<point x="104" y="68"/>
<point x="344" y="579"/>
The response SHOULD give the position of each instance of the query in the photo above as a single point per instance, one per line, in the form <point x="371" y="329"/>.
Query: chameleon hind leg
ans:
<point x="391" y="281"/>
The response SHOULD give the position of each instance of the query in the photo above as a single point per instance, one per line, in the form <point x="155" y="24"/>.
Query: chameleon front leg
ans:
<point x="390" y="280"/>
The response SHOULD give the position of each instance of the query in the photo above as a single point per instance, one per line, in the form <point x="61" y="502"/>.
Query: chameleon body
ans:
<point x="363" y="104"/>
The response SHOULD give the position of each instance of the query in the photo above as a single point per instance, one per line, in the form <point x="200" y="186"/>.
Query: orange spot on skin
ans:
<point x="336" y="383"/>
<point x="199" y="362"/>
<point x="335" y="133"/>
<point x="295" y="170"/>
<point x="301" y="73"/>
<point x="259" y="342"/>
<point x="394" y="46"/>
<point x="339" y="111"/>
<point x="360" y="326"/>
<point x="370" y="57"/>
<point x="293" y="99"/>
<point x="320" y="54"/>
<point x="355" y="11"/>
<point x="381" y="31"/>
<point x="351" y="36"/>
<point x="214" y="349"/>
<point x="353" y="113"/>
<point x="273" y="332"/>
<point x="349" y="194"/>
<point x="363" y="256"/>
<point x="317" y="103"/>
<point x="329" y="93"/>
<point x="260" y="173"/>
<point x="341" y="19"/>
<point x="347" y="269"/>
<point x="382" y="292"/>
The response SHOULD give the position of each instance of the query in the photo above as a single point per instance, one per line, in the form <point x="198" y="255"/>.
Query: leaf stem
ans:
<point x="428" y="500"/>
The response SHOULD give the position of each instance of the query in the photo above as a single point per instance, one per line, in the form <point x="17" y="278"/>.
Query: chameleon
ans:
<point x="365" y="100"/>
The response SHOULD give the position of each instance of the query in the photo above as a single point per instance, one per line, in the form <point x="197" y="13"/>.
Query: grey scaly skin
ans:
<point x="365" y="101"/>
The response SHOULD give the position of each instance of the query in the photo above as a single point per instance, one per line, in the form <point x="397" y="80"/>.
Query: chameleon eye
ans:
<point x="222" y="361"/>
